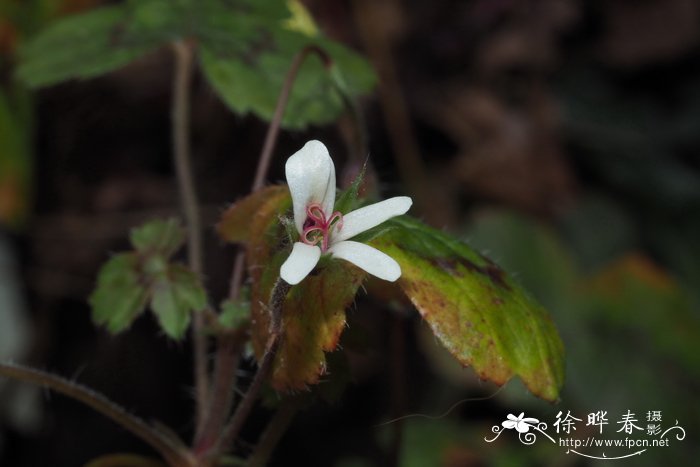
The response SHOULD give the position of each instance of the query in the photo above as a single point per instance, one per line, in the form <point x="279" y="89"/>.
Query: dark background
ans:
<point x="560" y="137"/>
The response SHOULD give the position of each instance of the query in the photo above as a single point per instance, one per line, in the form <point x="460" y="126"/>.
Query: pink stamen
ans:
<point x="318" y="228"/>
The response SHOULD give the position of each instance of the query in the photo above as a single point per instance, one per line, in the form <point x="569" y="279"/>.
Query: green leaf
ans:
<point x="478" y="313"/>
<point x="175" y="296"/>
<point x="159" y="237"/>
<point x="120" y="295"/>
<point x="347" y="200"/>
<point x="249" y="76"/>
<point x="234" y="314"/>
<point x="84" y="46"/>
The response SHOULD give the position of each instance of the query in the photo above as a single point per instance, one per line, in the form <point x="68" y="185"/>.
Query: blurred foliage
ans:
<point x="128" y="281"/>
<point x="15" y="157"/>
<point x="18" y="21"/>
<point x="246" y="49"/>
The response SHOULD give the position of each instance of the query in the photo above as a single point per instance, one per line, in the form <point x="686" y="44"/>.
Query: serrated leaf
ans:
<point x="478" y="313"/>
<point x="84" y="46"/>
<point x="120" y="295"/>
<point x="159" y="237"/>
<point x="236" y="221"/>
<point x="313" y="319"/>
<point x="175" y="297"/>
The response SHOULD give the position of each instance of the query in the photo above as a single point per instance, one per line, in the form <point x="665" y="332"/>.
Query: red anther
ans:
<point x="315" y="213"/>
<point x="309" y="230"/>
<point x="317" y="227"/>
<point x="336" y="216"/>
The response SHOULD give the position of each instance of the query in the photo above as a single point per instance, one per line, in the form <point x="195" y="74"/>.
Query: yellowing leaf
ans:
<point x="235" y="224"/>
<point x="478" y="313"/>
<point x="313" y="319"/>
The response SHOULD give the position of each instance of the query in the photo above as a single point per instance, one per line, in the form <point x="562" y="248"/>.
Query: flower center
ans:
<point x="317" y="227"/>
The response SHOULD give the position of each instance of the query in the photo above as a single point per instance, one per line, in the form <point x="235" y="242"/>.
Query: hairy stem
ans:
<point x="184" y="54"/>
<point x="233" y="429"/>
<point x="172" y="450"/>
<point x="229" y="350"/>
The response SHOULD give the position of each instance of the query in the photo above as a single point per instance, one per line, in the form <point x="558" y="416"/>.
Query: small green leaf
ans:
<point x="120" y="295"/>
<point x="234" y="314"/>
<point x="159" y="237"/>
<point x="347" y="200"/>
<point x="175" y="296"/>
<point x="480" y="315"/>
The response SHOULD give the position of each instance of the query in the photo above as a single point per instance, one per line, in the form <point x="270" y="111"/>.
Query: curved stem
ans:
<point x="233" y="429"/>
<point x="184" y="54"/>
<point x="276" y="122"/>
<point x="172" y="450"/>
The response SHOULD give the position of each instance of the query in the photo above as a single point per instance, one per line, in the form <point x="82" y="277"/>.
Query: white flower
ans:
<point x="521" y="423"/>
<point x="311" y="178"/>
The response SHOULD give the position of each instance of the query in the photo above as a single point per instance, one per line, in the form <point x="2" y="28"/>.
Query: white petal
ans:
<point x="370" y="259"/>
<point x="311" y="178"/>
<point x="367" y="217"/>
<point x="301" y="261"/>
<point x="522" y="427"/>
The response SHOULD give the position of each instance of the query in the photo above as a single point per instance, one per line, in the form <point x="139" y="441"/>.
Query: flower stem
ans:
<point x="233" y="429"/>
<point x="213" y="422"/>
<point x="172" y="449"/>
<point x="276" y="122"/>
<point x="230" y="346"/>
<point x="184" y="54"/>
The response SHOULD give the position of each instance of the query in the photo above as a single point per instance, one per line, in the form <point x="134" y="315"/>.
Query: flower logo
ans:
<point x="522" y="425"/>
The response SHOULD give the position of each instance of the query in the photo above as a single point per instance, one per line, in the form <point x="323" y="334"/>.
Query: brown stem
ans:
<point x="233" y="429"/>
<point x="172" y="450"/>
<point x="229" y="351"/>
<point x="184" y="54"/>
<point x="276" y="122"/>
